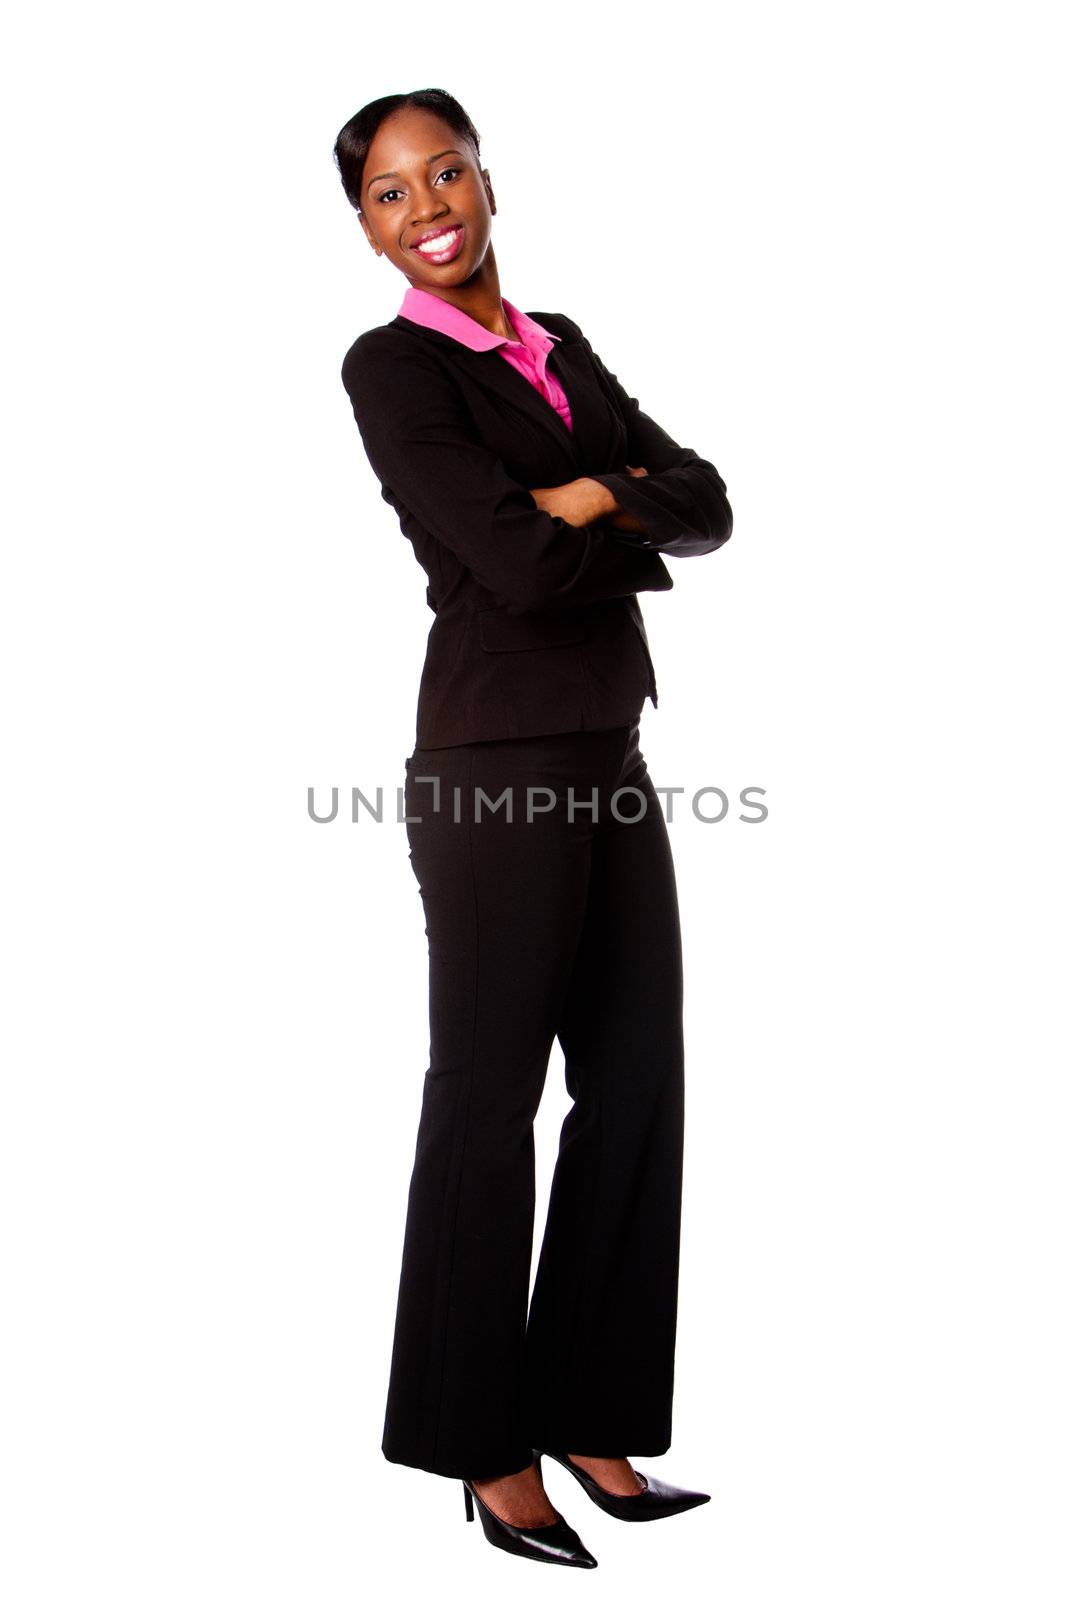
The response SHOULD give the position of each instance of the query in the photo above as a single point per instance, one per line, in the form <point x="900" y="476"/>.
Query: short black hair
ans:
<point x="354" y="140"/>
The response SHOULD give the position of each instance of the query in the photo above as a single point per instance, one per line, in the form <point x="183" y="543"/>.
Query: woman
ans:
<point x="539" y="500"/>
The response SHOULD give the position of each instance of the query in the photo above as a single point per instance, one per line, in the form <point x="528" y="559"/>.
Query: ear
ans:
<point x="371" y="240"/>
<point x="489" y="190"/>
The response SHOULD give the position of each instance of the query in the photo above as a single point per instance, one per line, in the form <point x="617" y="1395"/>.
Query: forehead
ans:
<point x="407" y="137"/>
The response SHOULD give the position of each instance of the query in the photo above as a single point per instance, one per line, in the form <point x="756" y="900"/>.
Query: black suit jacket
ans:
<point x="537" y="627"/>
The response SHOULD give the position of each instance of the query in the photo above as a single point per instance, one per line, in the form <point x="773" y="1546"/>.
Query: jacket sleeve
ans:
<point x="425" y="452"/>
<point x="682" y="504"/>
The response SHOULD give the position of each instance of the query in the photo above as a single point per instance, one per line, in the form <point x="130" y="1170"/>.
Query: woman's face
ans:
<point x="422" y="178"/>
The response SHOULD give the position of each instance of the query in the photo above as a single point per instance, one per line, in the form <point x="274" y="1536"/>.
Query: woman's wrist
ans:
<point x="587" y="500"/>
<point x="612" y="510"/>
<point x="601" y="498"/>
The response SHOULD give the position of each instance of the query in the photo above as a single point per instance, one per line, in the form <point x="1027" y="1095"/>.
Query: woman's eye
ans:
<point x="385" y="193"/>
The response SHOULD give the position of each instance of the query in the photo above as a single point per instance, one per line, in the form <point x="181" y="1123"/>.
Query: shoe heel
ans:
<point x="468" y="1503"/>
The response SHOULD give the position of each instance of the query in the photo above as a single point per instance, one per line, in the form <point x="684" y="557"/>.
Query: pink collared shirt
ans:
<point x="528" y="356"/>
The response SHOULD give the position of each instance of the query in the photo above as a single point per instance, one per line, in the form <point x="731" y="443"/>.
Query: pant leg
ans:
<point x="600" y="1343"/>
<point x="505" y="905"/>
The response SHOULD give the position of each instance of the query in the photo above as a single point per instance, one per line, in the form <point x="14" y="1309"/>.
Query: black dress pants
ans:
<point x="560" y="922"/>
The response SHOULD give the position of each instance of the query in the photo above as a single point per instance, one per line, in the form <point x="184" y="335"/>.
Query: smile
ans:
<point x="441" y="246"/>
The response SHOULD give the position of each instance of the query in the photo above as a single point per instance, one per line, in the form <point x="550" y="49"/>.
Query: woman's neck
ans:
<point x="479" y="298"/>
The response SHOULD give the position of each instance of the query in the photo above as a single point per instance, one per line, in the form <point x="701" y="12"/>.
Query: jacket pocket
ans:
<point x="501" y="630"/>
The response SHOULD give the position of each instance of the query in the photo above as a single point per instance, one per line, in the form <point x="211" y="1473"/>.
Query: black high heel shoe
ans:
<point x="555" y="1541"/>
<point x="657" y="1499"/>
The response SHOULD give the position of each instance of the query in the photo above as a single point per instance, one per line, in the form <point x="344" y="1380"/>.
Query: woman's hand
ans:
<point x="584" y="500"/>
<point x="579" y="502"/>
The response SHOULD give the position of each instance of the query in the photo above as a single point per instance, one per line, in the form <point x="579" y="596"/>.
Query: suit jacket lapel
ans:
<point x="587" y="445"/>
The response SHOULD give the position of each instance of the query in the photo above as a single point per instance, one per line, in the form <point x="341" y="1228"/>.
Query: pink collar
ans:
<point x="429" y="310"/>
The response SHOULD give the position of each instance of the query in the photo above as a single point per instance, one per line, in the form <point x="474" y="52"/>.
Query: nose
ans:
<point x="427" y="203"/>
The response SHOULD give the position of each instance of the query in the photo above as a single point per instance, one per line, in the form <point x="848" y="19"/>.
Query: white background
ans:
<point x="821" y="244"/>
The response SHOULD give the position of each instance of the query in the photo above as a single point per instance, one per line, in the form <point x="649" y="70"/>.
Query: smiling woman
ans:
<point x="540" y="500"/>
<point x="413" y="180"/>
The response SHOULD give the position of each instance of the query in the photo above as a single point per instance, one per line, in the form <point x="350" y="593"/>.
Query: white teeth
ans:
<point x="434" y="247"/>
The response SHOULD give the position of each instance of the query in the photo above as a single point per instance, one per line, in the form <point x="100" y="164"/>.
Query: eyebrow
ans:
<point x="437" y="157"/>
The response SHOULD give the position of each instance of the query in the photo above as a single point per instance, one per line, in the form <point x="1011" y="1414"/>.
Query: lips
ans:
<point x="440" y="244"/>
